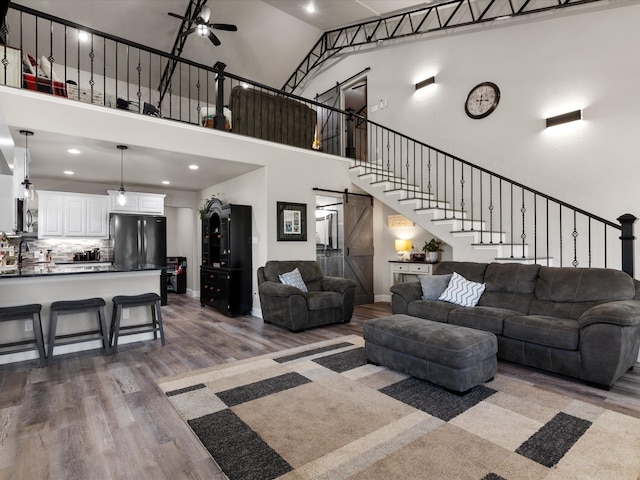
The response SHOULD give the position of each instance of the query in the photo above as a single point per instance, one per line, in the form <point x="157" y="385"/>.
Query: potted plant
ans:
<point x="432" y="248"/>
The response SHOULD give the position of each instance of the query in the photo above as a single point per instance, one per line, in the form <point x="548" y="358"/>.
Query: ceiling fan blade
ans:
<point x="224" y="26"/>
<point x="205" y="13"/>
<point x="214" y="39"/>
<point x="177" y="16"/>
<point x="187" y="32"/>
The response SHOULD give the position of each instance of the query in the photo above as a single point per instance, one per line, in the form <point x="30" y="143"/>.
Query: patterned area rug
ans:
<point x="321" y="412"/>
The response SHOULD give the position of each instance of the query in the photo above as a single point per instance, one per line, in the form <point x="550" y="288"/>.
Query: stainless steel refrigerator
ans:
<point x="140" y="241"/>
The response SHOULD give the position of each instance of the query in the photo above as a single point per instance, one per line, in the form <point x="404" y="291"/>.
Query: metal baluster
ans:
<point x="512" y="225"/>
<point x="560" y="222"/>
<point x="139" y="92"/>
<point x="429" y="179"/>
<point x="535" y="228"/>
<point x="574" y="234"/>
<point x="91" y="75"/>
<point x="481" y="208"/>
<point x="491" y="208"/>
<point x="462" y="194"/>
<point x="501" y="212"/>
<point x="523" y="235"/>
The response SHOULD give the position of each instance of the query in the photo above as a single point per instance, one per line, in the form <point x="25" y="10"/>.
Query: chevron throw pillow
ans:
<point x="293" y="278"/>
<point x="462" y="291"/>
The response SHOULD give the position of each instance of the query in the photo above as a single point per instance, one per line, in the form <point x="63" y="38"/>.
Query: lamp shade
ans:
<point x="402" y="245"/>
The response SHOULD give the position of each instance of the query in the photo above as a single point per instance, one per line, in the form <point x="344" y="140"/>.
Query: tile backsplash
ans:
<point x="62" y="249"/>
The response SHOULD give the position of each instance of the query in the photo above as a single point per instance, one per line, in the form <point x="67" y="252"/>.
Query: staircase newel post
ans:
<point x="218" y="120"/>
<point x="627" y="220"/>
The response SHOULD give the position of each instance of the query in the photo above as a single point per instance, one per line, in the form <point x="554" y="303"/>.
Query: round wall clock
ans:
<point x="482" y="100"/>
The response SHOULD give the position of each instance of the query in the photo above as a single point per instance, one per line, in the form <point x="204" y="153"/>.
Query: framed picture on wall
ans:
<point x="292" y="222"/>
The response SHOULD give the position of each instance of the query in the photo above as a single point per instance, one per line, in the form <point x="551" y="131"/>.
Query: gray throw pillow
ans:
<point x="433" y="285"/>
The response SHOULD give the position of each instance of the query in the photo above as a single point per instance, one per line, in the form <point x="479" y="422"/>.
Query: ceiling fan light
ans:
<point x="202" y="30"/>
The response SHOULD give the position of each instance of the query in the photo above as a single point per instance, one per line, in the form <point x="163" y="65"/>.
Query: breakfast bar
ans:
<point x="44" y="284"/>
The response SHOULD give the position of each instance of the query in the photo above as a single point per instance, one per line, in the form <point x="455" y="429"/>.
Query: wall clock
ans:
<point x="482" y="100"/>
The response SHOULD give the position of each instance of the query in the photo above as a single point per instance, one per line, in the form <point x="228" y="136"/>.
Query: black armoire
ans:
<point x="225" y="272"/>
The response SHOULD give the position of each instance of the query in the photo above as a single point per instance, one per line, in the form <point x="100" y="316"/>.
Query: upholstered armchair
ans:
<point x="328" y="299"/>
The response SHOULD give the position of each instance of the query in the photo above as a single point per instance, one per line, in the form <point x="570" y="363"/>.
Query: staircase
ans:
<point x="485" y="217"/>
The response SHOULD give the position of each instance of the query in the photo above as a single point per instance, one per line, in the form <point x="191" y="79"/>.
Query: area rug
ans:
<point x="322" y="412"/>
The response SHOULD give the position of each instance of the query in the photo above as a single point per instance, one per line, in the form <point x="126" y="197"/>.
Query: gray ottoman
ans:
<point x="456" y="358"/>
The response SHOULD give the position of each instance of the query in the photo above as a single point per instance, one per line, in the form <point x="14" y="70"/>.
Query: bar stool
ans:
<point x="151" y="300"/>
<point x="25" y="312"/>
<point x="68" y="307"/>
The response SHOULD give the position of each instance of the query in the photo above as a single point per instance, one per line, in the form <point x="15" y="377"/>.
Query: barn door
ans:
<point x="358" y="242"/>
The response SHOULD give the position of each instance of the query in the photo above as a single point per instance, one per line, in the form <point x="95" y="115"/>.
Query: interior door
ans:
<point x="358" y="241"/>
<point x="328" y="128"/>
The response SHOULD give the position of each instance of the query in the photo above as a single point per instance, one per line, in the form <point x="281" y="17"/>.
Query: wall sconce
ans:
<point x="564" y="118"/>
<point x="425" y="83"/>
<point x="401" y="247"/>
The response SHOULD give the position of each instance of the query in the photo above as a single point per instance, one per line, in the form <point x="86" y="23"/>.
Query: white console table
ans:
<point x="400" y="270"/>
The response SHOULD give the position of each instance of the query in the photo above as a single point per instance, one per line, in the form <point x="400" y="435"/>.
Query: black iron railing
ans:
<point x="524" y="223"/>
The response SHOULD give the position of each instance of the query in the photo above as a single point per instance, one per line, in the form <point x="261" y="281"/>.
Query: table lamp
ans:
<point x="401" y="247"/>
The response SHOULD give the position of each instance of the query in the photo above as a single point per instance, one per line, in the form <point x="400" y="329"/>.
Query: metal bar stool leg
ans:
<point x="52" y="334"/>
<point x="37" y="329"/>
<point x="115" y="327"/>
<point x="103" y="328"/>
<point x="158" y="317"/>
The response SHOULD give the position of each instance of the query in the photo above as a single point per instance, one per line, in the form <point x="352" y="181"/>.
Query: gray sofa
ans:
<point x="580" y="322"/>
<point x="329" y="299"/>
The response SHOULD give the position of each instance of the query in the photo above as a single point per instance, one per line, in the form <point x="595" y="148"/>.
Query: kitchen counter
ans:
<point x="45" y="269"/>
<point x="74" y="282"/>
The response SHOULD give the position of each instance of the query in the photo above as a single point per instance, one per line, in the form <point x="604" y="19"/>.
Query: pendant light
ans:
<point x="122" y="199"/>
<point x="26" y="183"/>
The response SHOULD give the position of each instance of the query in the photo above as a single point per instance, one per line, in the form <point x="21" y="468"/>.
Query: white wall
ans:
<point x="544" y="65"/>
<point x="289" y="175"/>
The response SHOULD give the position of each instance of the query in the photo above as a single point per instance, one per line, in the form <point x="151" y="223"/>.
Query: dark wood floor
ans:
<point x="88" y="416"/>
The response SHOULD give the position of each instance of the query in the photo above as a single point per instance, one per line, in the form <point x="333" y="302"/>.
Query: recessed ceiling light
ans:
<point x="194" y="167"/>
<point x="68" y="172"/>
<point x="311" y="8"/>
<point x="166" y="182"/>
<point x="73" y="151"/>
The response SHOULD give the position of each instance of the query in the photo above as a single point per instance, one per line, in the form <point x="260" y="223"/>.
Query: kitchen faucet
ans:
<point x="26" y="249"/>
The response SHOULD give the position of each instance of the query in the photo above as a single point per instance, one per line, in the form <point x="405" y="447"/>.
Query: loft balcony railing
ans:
<point x="113" y="72"/>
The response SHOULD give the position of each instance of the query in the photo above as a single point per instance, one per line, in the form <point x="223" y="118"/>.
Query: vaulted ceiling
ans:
<point x="273" y="36"/>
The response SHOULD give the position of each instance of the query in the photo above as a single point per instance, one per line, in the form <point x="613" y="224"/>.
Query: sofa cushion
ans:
<point x="483" y="318"/>
<point x="462" y="291"/>
<point x="294" y="279"/>
<point x="568" y="292"/>
<point x="435" y="310"/>
<point x="570" y="284"/>
<point x="543" y="330"/>
<point x="433" y="285"/>
<point x="322" y="300"/>
<point x="470" y="270"/>
<point x="510" y="286"/>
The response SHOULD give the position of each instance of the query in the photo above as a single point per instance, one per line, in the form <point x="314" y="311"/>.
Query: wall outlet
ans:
<point x="28" y="325"/>
<point x="125" y="313"/>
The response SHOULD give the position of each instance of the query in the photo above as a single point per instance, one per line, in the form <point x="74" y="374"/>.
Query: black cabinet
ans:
<point x="225" y="272"/>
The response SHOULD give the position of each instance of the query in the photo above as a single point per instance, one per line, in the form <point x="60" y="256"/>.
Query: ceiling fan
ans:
<point x="202" y="26"/>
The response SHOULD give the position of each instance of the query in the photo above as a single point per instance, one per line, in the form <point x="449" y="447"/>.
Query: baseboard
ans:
<point x="382" y="298"/>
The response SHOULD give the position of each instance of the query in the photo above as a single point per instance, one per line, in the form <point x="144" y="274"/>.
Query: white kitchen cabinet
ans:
<point x="50" y="217"/>
<point x="138" y="202"/>
<point x="62" y="214"/>
<point x="97" y="216"/>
